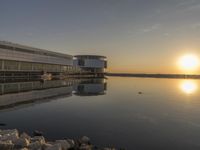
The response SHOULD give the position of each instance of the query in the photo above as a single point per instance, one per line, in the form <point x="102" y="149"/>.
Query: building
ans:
<point x="91" y="63"/>
<point x="21" y="61"/>
<point x="17" y="59"/>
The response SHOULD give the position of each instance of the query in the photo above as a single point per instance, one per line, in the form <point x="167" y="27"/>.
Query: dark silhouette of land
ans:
<point x="179" y="76"/>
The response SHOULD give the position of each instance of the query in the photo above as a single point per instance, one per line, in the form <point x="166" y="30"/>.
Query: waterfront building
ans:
<point x="24" y="61"/>
<point x="19" y="58"/>
<point x="94" y="64"/>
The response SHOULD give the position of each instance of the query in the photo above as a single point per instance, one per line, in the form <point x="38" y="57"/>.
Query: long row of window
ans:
<point x="11" y="65"/>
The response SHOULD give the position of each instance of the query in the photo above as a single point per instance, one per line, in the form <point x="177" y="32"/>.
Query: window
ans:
<point x="81" y="62"/>
<point x="11" y="65"/>
<point x="25" y="66"/>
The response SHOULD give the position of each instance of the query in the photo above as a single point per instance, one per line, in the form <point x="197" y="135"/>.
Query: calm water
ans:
<point x="165" y="116"/>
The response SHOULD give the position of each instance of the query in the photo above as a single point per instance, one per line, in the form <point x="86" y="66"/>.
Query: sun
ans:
<point x="189" y="62"/>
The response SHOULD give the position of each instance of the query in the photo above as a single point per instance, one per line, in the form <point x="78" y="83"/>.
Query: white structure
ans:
<point x="19" y="60"/>
<point x="15" y="57"/>
<point x="91" y="63"/>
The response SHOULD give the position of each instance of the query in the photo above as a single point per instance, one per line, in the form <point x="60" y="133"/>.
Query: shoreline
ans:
<point x="169" y="76"/>
<point x="11" y="139"/>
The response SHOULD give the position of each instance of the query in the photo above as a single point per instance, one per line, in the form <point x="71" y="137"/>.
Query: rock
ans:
<point x="11" y="132"/>
<point x="37" y="133"/>
<point x="25" y="135"/>
<point x="35" y="146"/>
<point x="139" y="92"/>
<point x="85" y="147"/>
<point x="109" y="149"/>
<point x="22" y="142"/>
<point x="39" y="139"/>
<point x="85" y="139"/>
<point x="10" y="140"/>
<point x="64" y="144"/>
<point x="11" y="135"/>
<point x="46" y="145"/>
<point x="71" y="142"/>
<point x="55" y="147"/>
<point x="6" y="145"/>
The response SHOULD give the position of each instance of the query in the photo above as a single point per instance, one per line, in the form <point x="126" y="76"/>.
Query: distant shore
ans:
<point x="178" y="76"/>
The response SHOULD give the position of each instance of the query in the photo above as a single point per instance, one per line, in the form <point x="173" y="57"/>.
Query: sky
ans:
<point x="137" y="36"/>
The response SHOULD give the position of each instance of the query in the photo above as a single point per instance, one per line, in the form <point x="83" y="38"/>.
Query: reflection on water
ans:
<point x="88" y="88"/>
<point x="162" y="117"/>
<point x="13" y="94"/>
<point x="189" y="86"/>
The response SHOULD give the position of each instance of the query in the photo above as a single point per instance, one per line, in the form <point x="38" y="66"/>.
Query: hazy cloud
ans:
<point x="151" y="28"/>
<point x="186" y="2"/>
<point x="189" y="5"/>
<point x="195" y="25"/>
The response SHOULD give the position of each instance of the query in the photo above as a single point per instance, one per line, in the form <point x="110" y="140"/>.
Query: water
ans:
<point x="111" y="112"/>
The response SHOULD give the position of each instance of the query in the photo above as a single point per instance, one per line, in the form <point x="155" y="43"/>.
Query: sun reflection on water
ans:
<point x="189" y="86"/>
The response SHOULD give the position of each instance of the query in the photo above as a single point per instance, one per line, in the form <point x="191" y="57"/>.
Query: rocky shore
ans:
<point x="13" y="140"/>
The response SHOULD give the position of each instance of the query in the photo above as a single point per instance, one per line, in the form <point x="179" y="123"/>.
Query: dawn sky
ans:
<point x="143" y="36"/>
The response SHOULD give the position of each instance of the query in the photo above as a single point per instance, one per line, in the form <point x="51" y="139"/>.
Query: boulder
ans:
<point x="85" y="140"/>
<point x="40" y="139"/>
<point x="65" y="145"/>
<point x="71" y="142"/>
<point x="55" y="147"/>
<point x="46" y="145"/>
<point x="26" y="136"/>
<point x="85" y="147"/>
<point x="22" y="142"/>
<point x="35" y="146"/>
<point x="6" y="135"/>
<point x="109" y="149"/>
<point x="9" y="131"/>
<point x="6" y="145"/>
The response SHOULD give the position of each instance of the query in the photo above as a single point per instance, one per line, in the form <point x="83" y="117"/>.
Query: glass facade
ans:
<point x="25" y="66"/>
<point x="1" y="62"/>
<point x="10" y="65"/>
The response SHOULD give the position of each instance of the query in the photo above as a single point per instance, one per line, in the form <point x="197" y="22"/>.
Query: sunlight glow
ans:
<point x="189" y="62"/>
<point x="189" y="86"/>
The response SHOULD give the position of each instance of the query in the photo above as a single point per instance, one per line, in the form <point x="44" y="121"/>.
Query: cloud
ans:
<point x="195" y="25"/>
<point x="151" y="28"/>
<point x="186" y="2"/>
<point x="194" y="8"/>
<point x="189" y="5"/>
<point x="166" y="34"/>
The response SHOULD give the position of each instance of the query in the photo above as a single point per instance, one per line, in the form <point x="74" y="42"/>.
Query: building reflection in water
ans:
<point x="92" y="87"/>
<point x="23" y="93"/>
<point x="189" y="86"/>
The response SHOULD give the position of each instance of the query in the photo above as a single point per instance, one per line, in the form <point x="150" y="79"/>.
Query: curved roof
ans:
<point x="90" y="56"/>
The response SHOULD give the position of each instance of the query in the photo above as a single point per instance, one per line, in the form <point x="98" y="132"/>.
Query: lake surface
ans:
<point x="165" y="115"/>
